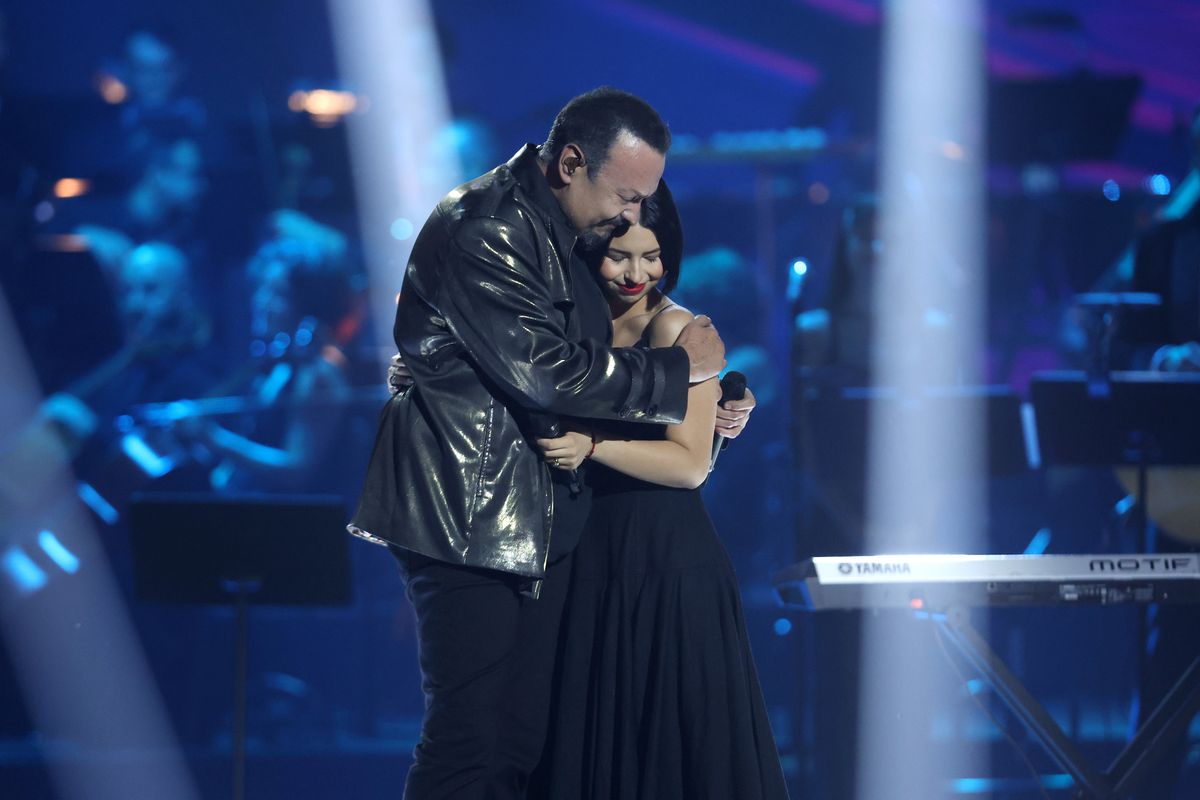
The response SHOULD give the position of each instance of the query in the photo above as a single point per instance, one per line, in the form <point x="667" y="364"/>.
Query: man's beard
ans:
<point x="594" y="239"/>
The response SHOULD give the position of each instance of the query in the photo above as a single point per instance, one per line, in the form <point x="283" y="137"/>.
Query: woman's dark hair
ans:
<point x="595" y="119"/>
<point x="660" y="216"/>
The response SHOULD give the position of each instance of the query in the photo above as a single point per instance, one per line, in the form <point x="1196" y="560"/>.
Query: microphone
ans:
<point x="544" y="426"/>
<point x="547" y="426"/>
<point x="733" y="387"/>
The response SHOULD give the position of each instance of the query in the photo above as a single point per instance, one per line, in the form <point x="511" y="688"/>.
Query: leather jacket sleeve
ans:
<point x="498" y="302"/>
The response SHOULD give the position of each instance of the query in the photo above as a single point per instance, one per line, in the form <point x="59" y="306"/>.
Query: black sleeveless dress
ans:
<point x="657" y="694"/>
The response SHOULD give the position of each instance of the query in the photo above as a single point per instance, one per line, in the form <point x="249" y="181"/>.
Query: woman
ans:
<point x="658" y="695"/>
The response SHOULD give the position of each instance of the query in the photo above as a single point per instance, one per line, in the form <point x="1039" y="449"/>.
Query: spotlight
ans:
<point x="1159" y="185"/>
<point x="71" y="187"/>
<point x="43" y="212"/>
<point x="796" y="272"/>
<point x="97" y="503"/>
<point x="26" y="576"/>
<point x="111" y="89"/>
<point x="325" y="107"/>
<point x="402" y="229"/>
<point x="58" y="553"/>
<point x="150" y="462"/>
<point x="953" y="151"/>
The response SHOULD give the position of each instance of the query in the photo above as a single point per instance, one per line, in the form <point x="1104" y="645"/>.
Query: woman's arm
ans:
<point x="682" y="459"/>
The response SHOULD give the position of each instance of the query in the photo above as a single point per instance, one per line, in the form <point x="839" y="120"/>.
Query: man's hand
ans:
<point x="732" y="416"/>
<point x="705" y="350"/>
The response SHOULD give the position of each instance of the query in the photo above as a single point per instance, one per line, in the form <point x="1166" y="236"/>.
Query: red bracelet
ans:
<point x="593" y="450"/>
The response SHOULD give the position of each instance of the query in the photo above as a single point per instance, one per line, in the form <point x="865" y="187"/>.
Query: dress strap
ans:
<point x="669" y="304"/>
<point x="645" y="337"/>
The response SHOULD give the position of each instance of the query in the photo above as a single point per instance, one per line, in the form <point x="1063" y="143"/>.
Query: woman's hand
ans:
<point x="567" y="451"/>
<point x="732" y="416"/>
<point x="399" y="377"/>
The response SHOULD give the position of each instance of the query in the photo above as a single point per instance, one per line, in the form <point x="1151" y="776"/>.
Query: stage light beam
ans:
<point x="928" y="338"/>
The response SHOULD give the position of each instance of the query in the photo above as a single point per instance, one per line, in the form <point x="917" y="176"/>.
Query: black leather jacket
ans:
<point x="487" y="328"/>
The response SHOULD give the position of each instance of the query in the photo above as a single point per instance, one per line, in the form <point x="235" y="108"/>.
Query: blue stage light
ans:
<point x="783" y="626"/>
<point x="1112" y="190"/>
<point x="27" y="576"/>
<point x="142" y="454"/>
<point x="402" y="229"/>
<point x="1159" y="185"/>
<point x="973" y="786"/>
<point x="96" y="502"/>
<point x="58" y="552"/>
<point x="1038" y="544"/>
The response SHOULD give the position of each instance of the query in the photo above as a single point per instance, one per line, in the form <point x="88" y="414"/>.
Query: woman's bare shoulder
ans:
<point x="666" y="325"/>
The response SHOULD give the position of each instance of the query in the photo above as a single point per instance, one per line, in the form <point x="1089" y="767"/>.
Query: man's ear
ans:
<point x="570" y="160"/>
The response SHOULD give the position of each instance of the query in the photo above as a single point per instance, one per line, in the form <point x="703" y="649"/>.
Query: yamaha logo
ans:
<point x="874" y="568"/>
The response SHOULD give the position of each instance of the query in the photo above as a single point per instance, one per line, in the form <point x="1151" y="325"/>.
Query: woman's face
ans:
<point x="631" y="267"/>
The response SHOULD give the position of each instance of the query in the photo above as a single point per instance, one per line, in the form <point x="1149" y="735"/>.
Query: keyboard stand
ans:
<point x="1125" y="774"/>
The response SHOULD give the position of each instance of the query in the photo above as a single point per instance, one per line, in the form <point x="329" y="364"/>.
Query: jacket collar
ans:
<point x="528" y="172"/>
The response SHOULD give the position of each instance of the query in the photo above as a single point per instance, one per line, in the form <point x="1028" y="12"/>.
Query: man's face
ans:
<point x="152" y="67"/>
<point x="601" y="202"/>
<point x="152" y="291"/>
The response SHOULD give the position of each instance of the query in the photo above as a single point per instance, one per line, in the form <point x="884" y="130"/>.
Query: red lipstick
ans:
<point x="634" y="289"/>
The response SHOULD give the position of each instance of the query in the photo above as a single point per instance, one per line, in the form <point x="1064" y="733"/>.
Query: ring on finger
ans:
<point x="554" y="462"/>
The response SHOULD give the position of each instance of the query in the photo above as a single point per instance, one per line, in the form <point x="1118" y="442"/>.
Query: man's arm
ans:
<point x="495" y="299"/>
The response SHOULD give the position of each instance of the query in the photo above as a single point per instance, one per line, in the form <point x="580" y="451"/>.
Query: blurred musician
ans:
<point x="1167" y="262"/>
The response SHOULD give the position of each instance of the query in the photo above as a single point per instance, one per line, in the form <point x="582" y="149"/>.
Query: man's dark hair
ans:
<point x="660" y="215"/>
<point x="595" y="119"/>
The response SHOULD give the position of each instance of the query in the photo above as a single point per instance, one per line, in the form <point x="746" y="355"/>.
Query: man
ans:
<point x="1168" y="263"/>
<point x="1167" y="339"/>
<point x="504" y="331"/>
<point x="165" y="356"/>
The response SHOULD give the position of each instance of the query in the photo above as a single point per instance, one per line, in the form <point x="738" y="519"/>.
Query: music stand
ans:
<point x="831" y="429"/>
<point x="1079" y="117"/>
<point x="265" y="550"/>
<point x="1139" y="419"/>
